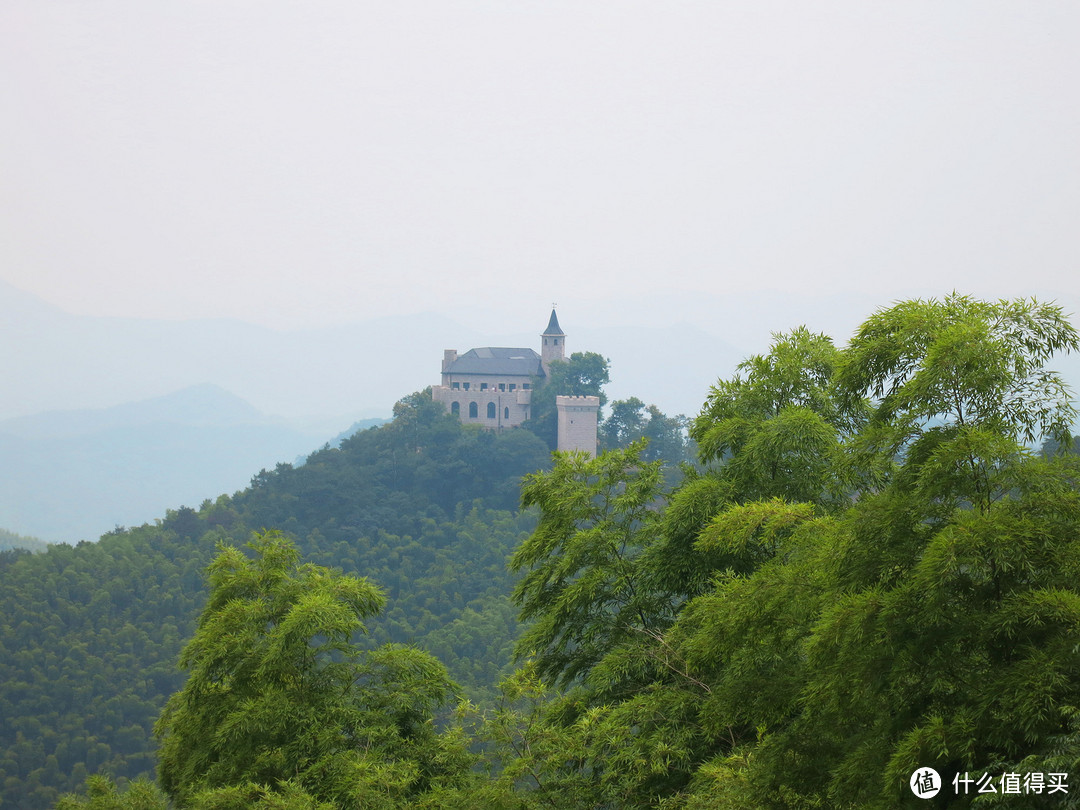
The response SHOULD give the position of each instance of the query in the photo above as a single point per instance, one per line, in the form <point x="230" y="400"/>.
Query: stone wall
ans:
<point x="577" y="423"/>
<point x="511" y="407"/>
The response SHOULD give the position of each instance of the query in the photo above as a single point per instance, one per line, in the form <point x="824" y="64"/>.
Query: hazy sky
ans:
<point x="301" y="162"/>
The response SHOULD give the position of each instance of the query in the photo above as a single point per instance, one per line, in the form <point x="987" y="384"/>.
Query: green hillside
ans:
<point x="90" y="635"/>
<point x="864" y="593"/>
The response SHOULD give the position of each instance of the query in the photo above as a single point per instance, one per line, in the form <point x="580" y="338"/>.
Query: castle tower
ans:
<point x="552" y="343"/>
<point x="577" y="423"/>
<point x="448" y="360"/>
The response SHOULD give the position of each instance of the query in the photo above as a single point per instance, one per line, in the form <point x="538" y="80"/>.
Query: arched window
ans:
<point x="506" y="413"/>
<point x="455" y="408"/>
<point x="473" y="410"/>
<point x="491" y="410"/>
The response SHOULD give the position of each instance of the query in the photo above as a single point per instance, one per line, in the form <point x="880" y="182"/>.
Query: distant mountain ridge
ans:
<point x="357" y="370"/>
<point x="205" y="404"/>
<point x="73" y="475"/>
<point x="53" y="358"/>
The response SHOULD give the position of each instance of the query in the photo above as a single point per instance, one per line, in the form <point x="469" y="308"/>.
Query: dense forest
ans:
<point x="423" y="506"/>
<point x="866" y="574"/>
<point x="91" y="634"/>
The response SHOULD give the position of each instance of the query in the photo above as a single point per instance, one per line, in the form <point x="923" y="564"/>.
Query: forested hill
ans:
<point x="864" y="592"/>
<point x="90" y="635"/>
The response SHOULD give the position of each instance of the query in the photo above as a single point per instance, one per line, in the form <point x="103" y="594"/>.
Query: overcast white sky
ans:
<point x="295" y="163"/>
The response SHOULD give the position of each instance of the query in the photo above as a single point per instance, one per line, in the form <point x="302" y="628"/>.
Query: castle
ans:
<point x="492" y="387"/>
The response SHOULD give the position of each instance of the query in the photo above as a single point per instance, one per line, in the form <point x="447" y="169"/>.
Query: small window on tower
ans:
<point x="455" y="408"/>
<point x="513" y="386"/>
<point x="502" y="386"/>
<point x="455" y="385"/>
<point x="483" y="386"/>
<point x="506" y="413"/>
<point x="465" y="386"/>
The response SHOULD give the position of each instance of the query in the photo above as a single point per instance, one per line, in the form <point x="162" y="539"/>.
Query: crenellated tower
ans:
<point x="578" y="417"/>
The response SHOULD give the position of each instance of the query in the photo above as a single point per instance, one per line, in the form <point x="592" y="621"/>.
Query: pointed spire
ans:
<point x="553" y="327"/>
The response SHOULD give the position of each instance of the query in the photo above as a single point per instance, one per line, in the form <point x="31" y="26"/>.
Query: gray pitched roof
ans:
<point x="553" y="327"/>
<point x="500" y="361"/>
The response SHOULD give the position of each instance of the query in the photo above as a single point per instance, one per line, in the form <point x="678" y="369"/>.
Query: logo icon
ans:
<point x="925" y="783"/>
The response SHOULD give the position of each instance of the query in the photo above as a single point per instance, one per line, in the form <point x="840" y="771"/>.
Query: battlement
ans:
<point x="578" y="417"/>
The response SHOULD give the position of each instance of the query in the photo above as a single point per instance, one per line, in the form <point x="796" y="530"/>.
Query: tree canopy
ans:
<point x="278" y="695"/>
<point x="874" y="573"/>
<point x="631" y="420"/>
<point x="870" y="572"/>
<point x="90" y="635"/>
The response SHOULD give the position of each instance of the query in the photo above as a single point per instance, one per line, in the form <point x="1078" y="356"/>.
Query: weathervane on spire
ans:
<point x="553" y="305"/>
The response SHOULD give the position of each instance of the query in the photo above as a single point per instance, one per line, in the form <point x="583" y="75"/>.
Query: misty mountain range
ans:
<point x="109" y="421"/>
<point x="73" y="475"/>
<point x="54" y="360"/>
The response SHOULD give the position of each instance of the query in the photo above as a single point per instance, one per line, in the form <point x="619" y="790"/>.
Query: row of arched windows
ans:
<point x="474" y="410"/>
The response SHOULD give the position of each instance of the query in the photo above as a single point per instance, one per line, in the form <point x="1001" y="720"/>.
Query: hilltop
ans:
<point x="424" y="506"/>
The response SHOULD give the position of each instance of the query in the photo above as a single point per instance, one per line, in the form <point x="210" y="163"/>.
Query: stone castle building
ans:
<point x="492" y="387"/>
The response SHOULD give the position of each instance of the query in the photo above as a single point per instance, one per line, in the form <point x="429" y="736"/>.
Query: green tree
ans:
<point x="597" y="613"/>
<point x="584" y="374"/>
<point x="932" y="622"/>
<point x="775" y="432"/>
<point x="873" y="573"/>
<point x="531" y="761"/>
<point x="960" y="386"/>
<point x="1053" y="447"/>
<point x="776" y="427"/>
<point x="102" y="794"/>
<point x="631" y="420"/>
<point x="615" y="559"/>
<point x="625" y="424"/>
<point x="579" y="591"/>
<point x="277" y="694"/>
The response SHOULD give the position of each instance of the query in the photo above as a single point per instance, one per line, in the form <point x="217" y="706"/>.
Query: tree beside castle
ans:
<point x="498" y="387"/>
